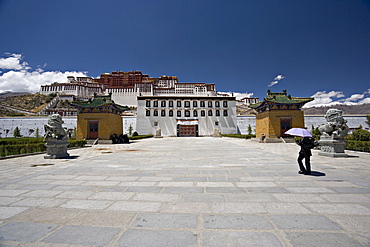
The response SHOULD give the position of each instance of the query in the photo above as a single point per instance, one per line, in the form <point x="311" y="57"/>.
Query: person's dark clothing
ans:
<point x="306" y="145"/>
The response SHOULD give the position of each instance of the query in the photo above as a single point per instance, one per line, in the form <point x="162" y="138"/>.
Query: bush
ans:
<point x="135" y="134"/>
<point x="77" y="143"/>
<point x="137" y="137"/>
<point x="363" y="146"/>
<point x="361" y="135"/>
<point x="6" y="150"/>
<point x="239" y="136"/>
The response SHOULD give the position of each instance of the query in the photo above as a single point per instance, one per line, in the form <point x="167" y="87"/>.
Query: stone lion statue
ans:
<point x="336" y="125"/>
<point x="54" y="129"/>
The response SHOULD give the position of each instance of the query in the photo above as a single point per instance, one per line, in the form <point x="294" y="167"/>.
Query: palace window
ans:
<point x="155" y="103"/>
<point x="225" y="103"/>
<point x="225" y="113"/>
<point x="163" y="103"/>
<point x="203" y="113"/>
<point x="155" y="113"/>
<point x="179" y="113"/>
<point x="195" y="113"/>
<point x="187" y="104"/>
<point x="209" y="103"/>
<point x="147" y="113"/>
<point x="217" y="113"/>
<point x="210" y="113"/>
<point x="195" y="103"/>
<point x="202" y="104"/>
<point x="147" y="103"/>
<point x="170" y="113"/>
<point x="217" y="103"/>
<point x="163" y="113"/>
<point x="170" y="103"/>
<point x="178" y="103"/>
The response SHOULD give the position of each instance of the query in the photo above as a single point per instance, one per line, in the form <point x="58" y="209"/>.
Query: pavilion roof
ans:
<point x="281" y="98"/>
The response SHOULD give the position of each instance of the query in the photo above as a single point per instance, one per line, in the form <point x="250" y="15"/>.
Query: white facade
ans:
<point x="186" y="116"/>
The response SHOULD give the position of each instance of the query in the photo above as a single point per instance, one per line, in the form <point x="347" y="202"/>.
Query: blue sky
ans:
<point x="320" y="47"/>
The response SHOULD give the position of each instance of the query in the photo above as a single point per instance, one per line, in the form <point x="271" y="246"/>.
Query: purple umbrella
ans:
<point x="299" y="132"/>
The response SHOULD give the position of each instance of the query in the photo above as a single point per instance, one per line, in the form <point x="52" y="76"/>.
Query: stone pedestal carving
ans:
<point x="158" y="133"/>
<point x="56" y="138"/>
<point x="217" y="133"/>
<point x="56" y="149"/>
<point x="332" y="147"/>
<point x="332" y="134"/>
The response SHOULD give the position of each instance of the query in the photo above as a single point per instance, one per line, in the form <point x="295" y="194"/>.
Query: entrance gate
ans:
<point x="187" y="130"/>
<point x="286" y="124"/>
<point x="93" y="129"/>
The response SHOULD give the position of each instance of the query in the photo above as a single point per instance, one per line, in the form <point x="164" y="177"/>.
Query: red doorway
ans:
<point x="285" y="125"/>
<point x="93" y="129"/>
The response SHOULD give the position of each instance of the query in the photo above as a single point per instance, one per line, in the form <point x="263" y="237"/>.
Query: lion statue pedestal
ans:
<point x="332" y="134"/>
<point x="56" y="138"/>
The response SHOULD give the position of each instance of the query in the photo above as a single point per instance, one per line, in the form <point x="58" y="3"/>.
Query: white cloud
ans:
<point x="276" y="80"/>
<point x="19" y="77"/>
<point x="13" y="61"/>
<point x="322" y="98"/>
<point x="238" y="96"/>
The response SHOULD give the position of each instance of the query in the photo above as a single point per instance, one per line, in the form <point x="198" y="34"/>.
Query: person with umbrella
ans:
<point x="306" y="143"/>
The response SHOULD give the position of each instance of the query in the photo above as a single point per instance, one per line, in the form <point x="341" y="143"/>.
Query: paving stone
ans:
<point x="250" y="198"/>
<point x="175" y="184"/>
<point x="86" y="204"/>
<point x="75" y="194"/>
<point x="286" y="208"/>
<point x="352" y="223"/>
<point x="8" y="200"/>
<point x="215" y="184"/>
<point x="166" y="220"/>
<point x="242" y="239"/>
<point x="255" y="184"/>
<point x="309" y="190"/>
<point x="5" y="192"/>
<point x="352" y="190"/>
<point x="238" y="208"/>
<point x="288" y="197"/>
<point x="203" y="198"/>
<point x="340" y="209"/>
<point x="180" y="190"/>
<point x="156" y="197"/>
<point x="186" y="207"/>
<point x="102" y="218"/>
<point x="47" y="215"/>
<point x="83" y="235"/>
<point x="159" y="238"/>
<point x="135" y="206"/>
<point x="144" y="189"/>
<point x="38" y="187"/>
<point x="7" y="212"/>
<point x="225" y="190"/>
<point x="24" y="231"/>
<point x="115" y="196"/>
<point x="39" y="202"/>
<point x="236" y="222"/>
<point x="346" y="198"/>
<point x="42" y="193"/>
<point x="321" y="239"/>
<point x="267" y="190"/>
<point x="303" y="222"/>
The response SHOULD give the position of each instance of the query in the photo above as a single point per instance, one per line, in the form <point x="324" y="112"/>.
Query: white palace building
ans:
<point x="163" y="104"/>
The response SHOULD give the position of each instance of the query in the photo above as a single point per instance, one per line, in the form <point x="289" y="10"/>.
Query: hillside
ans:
<point x="27" y="102"/>
<point x="347" y="110"/>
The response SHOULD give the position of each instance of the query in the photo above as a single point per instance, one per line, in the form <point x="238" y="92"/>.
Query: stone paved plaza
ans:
<point x="185" y="192"/>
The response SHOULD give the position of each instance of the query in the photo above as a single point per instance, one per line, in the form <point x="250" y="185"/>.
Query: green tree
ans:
<point x="368" y="120"/>
<point x="130" y="130"/>
<point x="37" y="134"/>
<point x="17" y="132"/>
<point x="249" y="129"/>
<point x="361" y="135"/>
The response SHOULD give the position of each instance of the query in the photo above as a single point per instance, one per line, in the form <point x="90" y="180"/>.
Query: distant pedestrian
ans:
<point x="263" y="137"/>
<point x="306" y="144"/>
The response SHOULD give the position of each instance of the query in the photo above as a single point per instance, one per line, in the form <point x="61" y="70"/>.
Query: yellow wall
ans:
<point x="109" y="124"/>
<point x="268" y="122"/>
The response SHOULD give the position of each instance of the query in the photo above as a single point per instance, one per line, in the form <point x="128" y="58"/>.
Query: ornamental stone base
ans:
<point x="332" y="147"/>
<point x="56" y="149"/>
